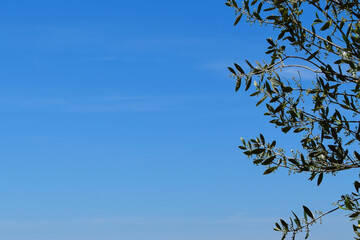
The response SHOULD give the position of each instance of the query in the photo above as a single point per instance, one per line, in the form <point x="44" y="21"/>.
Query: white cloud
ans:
<point x="296" y="72"/>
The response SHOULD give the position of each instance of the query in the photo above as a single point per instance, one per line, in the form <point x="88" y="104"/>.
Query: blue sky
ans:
<point x="120" y="122"/>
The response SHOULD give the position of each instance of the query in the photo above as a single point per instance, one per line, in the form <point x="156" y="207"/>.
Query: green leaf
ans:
<point x="262" y="138"/>
<point x="316" y="21"/>
<point x="357" y="155"/>
<point x="272" y="17"/>
<point x="313" y="55"/>
<point x="354" y="216"/>
<point x="237" y="20"/>
<point x="248" y="84"/>
<point x="239" y="68"/>
<point x="357" y="233"/>
<point x="234" y="3"/>
<point x="255" y="93"/>
<point x="281" y="35"/>
<point x="269" y="170"/>
<point x="308" y="212"/>
<point x="248" y="153"/>
<point x="269" y="9"/>
<point x="313" y="175"/>
<point x="293" y="161"/>
<point x="268" y="160"/>
<point x="357" y="185"/>
<point x="238" y="84"/>
<point x="286" y="129"/>
<point x="278" y="226"/>
<point x="284" y="223"/>
<point x="270" y="41"/>
<point x="320" y="178"/>
<point x="248" y="63"/>
<point x="348" y="204"/>
<point x="325" y="26"/>
<point x="257" y="161"/>
<point x="232" y="70"/>
<point x="275" y="82"/>
<point x="297" y="220"/>
<point x="257" y="16"/>
<point x="261" y="100"/>
<point x="258" y="151"/>
<point x="253" y="2"/>
<point x="287" y="89"/>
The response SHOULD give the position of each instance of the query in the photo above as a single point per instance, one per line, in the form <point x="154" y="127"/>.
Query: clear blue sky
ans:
<point x="119" y="122"/>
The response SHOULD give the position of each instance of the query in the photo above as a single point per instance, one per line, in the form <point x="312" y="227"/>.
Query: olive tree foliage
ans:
<point x="323" y="38"/>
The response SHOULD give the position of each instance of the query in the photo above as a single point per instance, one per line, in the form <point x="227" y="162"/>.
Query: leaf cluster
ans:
<point x="323" y="38"/>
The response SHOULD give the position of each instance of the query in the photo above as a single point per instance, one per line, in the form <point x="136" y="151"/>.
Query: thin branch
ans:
<point x="319" y="217"/>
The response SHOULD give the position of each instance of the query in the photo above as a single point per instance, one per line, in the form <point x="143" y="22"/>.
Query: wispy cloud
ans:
<point x="302" y="73"/>
<point x="136" y="221"/>
<point x="164" y="41"/>
<point x="216" y="65"/>
<point x="100" y="104"/>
